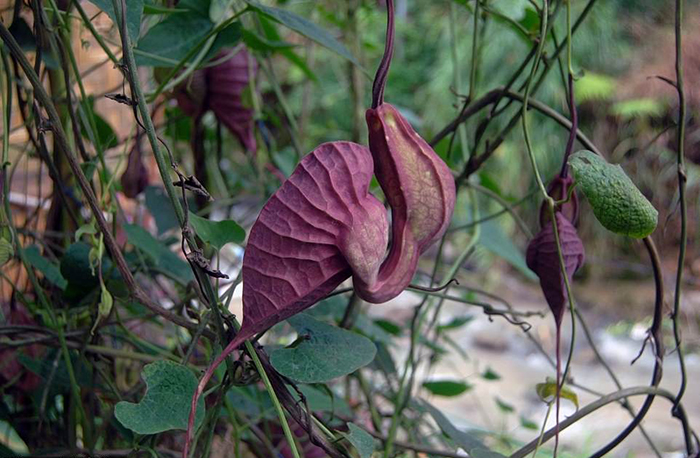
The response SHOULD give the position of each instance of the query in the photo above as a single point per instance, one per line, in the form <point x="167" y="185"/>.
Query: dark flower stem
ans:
<point x="682" y="179"/>
<point x="383" y="70"/>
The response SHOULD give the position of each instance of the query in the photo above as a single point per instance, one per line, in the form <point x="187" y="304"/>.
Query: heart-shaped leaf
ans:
<point x="217" y="233"/>
<point x="324" y="352"/>
<point x="166" y="404"/>
<point x="617" y="203"/>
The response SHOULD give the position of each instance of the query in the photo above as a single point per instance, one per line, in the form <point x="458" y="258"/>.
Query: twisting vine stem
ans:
<point x="682" y="179"/>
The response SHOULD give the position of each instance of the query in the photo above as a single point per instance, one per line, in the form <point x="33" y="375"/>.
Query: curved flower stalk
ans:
<point x="323" y="226"/>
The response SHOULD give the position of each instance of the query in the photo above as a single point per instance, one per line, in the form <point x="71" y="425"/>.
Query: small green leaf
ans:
<point x="504" y="406"/>
<point x="363" y="442"/>
<point x="638" y="108"/>
<point x="134" y="8"/>
<point x="217" y="233"/>
<point x="389" y="326"/>
<point x="547" y="392"/>
<point x="306" y="28"/>
<point x="446" y="388"/>
<point x="88" y="228"/>
<point x="528" y="424"/>
<point x="617" y="203"/>
<point x="489" y="374"/>
<point x="595" y="86"/>
<point x="6" y="251"/>
<point x="167" y="402"/>
<point x="455" y="323"/>
<point x="50" y="270"/>
<point x="324" y="352"/>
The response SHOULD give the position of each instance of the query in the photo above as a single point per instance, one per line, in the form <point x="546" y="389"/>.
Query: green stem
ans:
<point x="273" y="397"/>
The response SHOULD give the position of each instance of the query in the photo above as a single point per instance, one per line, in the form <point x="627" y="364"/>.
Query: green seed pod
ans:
<point x="617" y="203"/>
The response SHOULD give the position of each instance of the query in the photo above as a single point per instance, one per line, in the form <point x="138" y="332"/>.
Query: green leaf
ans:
<point x="494" y="240"/>
<point x="167" y="402"/>
<point x="530" y="20"/>
<point x="448" y="388"/>
<point x="106" y="136"/>
<point x="594" y="86"/>
<point x="134" y="8"/>
<point x="638" y="108"/>
<point x="363" y="442"/>
<point x="617" y="203"/>
<point x="455" y="323"/>
<point x="87" y="228"/>
<point x="50" y="270"/>
<point x="152" y="8"/>
<point x="158" y="204"/>
<point x="23" y="34"/>
<point x="7" y="251"/>
<point x="162" y="257"/>
<point x="528" y="424"/>
<point x="10" y="438"/>
<point x="463" y="439"/>
<point x="258" y="43"/>
<point x="217" y="233"/>
<point x="324" y="400"/>
<point x="547" y="392"/>
<point x="489" y="374"/>
<point x="169" y="41"/>
<point x="389" y="326"/>
<point x="484" y="453"/>
<point x="306" y="28"/>
<point x="324" y="353"/>
<point x="57" y="373"/>
<point x="504" y="406"/>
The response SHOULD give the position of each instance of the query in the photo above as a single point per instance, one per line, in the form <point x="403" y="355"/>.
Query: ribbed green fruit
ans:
<point x="617" y="203"/>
